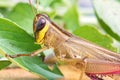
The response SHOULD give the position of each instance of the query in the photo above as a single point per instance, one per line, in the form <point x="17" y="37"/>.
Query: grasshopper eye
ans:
<point x="40" y="24"/>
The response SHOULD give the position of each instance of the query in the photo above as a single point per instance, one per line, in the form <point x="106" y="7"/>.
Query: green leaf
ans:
<point x="71" y="18"/>
<point x="90" y="33"/>
<point x="107" y="12"/>
<point x="22" y="14"/>
<point x="56" y="3"/>
<point x="14" y="40"/>
<point x="4" y="63"/>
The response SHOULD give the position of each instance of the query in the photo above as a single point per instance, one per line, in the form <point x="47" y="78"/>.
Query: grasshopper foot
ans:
<point x="10" y="56"/>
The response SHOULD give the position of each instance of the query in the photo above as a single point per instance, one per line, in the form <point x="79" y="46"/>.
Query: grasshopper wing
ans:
<point x="98" y="60"/>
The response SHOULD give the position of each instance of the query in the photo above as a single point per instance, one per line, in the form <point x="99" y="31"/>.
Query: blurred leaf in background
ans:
<point x="71" y="18"/>
<point x="108" y="15"/>
<point x="46" y="3"/>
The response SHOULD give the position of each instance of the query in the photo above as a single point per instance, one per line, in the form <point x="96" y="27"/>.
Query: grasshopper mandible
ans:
<point x="73" y="50"/>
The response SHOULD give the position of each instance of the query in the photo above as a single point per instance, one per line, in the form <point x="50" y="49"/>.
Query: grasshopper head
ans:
<point x="40" y="27"/>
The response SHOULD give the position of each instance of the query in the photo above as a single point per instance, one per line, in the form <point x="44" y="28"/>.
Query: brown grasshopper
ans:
<point x="73" y="50"/>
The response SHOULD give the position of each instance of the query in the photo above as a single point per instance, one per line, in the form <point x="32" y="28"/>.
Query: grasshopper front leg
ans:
<point x="31" y="54"/>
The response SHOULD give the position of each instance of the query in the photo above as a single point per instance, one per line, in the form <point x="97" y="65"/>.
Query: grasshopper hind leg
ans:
<point x="80" y="64"/>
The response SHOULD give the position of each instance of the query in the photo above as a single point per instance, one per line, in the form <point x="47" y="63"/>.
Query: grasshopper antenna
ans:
<point x="32" y="7"/>
<point x="37" y="1"/>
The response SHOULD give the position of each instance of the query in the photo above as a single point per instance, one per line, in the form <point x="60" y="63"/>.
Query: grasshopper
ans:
<point x="73" y="50"/>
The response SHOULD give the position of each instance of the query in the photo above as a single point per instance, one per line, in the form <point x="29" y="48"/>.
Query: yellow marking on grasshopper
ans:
<point x="41" y="34"/>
